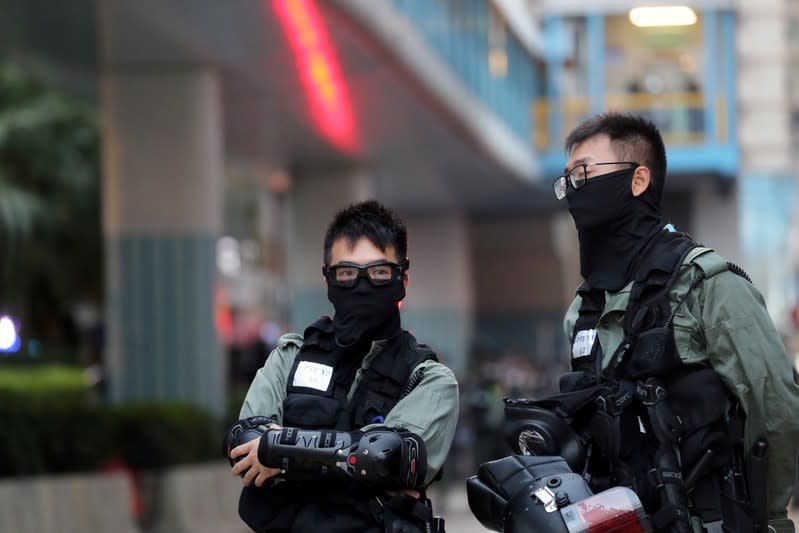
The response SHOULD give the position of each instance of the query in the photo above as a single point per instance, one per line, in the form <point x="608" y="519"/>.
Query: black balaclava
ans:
<point x="613" y="226"/>
<point x="365" y="313"/>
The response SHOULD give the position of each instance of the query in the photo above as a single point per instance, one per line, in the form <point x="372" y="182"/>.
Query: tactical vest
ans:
<point x="318" y="398"/>
<point x="379" y="389"/>
<point x="655" y="417"/>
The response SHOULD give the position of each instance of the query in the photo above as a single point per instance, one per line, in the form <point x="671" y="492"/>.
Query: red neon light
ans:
<point x="319" y="71"/>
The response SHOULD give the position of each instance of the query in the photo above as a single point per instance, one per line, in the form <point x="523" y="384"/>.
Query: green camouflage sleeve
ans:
<point x="570" y="318"/>
<point x="430" y="411"/>
<point x="744" y="347"/>
<point x="268" y="389"/>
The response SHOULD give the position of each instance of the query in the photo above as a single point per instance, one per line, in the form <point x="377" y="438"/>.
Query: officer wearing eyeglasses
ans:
<point x="695" y="402"/>
<point x="346" y="425"/>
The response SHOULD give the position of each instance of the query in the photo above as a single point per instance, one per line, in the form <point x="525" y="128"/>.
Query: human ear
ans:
<point x="641" y="179"/>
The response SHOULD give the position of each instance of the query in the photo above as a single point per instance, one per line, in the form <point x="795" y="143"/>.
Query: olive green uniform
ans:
<point x="430" y="410"/>
<point x="723" y="323"/>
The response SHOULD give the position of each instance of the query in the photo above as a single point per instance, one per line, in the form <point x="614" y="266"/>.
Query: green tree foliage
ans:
<point x="50" y="236"/>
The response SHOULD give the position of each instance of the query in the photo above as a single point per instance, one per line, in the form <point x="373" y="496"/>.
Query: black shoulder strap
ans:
<point x="388" y="378"/>
<point x="592" y="302"/>
<point x="656" y="275"/>
<point x="400" y="357"/>
<point x="319" y="334"/>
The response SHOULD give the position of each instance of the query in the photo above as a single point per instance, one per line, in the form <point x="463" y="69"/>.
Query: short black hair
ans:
<point x="368" y="219"/>
<point x="633" y="138"/>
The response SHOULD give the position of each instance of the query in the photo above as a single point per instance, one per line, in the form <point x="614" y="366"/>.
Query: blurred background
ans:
<point x="168" y="168"/>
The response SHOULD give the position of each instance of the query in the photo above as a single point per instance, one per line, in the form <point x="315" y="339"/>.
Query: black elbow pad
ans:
<point x="384" y="458"/>
<point x="390" y="459"/>
<point x="243" y="431"/>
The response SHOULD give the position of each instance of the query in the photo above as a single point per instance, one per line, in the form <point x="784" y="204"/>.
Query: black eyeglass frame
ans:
<point x="560" y="184"/>
<point x="363" y="272"/>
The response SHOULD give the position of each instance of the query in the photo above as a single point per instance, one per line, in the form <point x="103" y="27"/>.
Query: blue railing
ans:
<point x="465" y="34"/>
<point x="699" y="125"/>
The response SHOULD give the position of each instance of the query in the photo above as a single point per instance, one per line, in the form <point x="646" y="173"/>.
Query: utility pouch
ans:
<point x="654" y="354"/>
<point x="405" y="514"/>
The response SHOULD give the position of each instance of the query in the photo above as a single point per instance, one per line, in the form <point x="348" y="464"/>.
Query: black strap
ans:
<point x="619" y="356"/>
<point x="404" y="513"/>
<point x="657" y="268"/>
<point x="667" y="515"/>
<point x="592" y="302"/>
<point x="656" y="274"/>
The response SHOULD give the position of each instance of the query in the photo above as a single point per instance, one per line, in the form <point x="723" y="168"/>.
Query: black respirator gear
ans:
<point x="381" y="458"/>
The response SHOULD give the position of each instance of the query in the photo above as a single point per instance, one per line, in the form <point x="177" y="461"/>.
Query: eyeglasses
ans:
<point x="578" y="176"/>
<point x="378" y="273"/>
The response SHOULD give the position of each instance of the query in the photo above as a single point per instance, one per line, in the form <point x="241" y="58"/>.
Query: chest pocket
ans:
<point x="688" y="335"/>
<point x="311" y="412"/>
<point x="654" y="352"/>
<point x="313" y="393"/>
<point x="610" y="328"/>
<point x="688" y="338"/>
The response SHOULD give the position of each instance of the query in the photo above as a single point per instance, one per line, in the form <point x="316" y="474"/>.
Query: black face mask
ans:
<point x="613" y="226"/>
<point x="601" y="200"/>
<point x="365" y="313"/>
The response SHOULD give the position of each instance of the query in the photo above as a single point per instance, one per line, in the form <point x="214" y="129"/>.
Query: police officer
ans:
<point x="354" y="418"/>
<point x="699" y="413"/>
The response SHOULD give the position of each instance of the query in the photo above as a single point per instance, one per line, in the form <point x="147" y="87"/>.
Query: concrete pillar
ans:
<point x="313" y="201"/>
<point x="767" y="190"/>
<point x="439" y="306"/>
<point x="161" y="218"/>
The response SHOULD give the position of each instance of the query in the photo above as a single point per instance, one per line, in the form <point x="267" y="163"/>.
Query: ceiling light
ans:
<point x="652" y="16"/>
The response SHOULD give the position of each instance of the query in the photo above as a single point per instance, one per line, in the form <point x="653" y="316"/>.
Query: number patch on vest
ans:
<point x="583" y="343"/>
<point x="313" y="375"/>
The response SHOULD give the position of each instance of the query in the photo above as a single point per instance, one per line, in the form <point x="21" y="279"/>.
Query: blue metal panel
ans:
<point x="766" y="206"/>
<point x="701" y="158"/>
<point x="554" y="36"/>
<point x="552" y="164"/>
<point x="720" y="158"/>
<point x="595" y="25"/>
<point x="730" y="76"/>
<point x="714" y="154"/>
<point x="457" y="30"/>
<point x="710" y="22"/>
<point x="164" y="343"/>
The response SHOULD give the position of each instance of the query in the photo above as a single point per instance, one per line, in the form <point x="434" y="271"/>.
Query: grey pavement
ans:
<point x="452" y="504"/>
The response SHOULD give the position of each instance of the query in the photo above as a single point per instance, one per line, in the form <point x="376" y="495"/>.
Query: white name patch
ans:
<point x="583" y="342"/>
<point x="313" y="375"/>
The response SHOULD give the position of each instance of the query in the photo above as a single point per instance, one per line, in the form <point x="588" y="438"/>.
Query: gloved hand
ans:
<point x="243" y="431"/>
